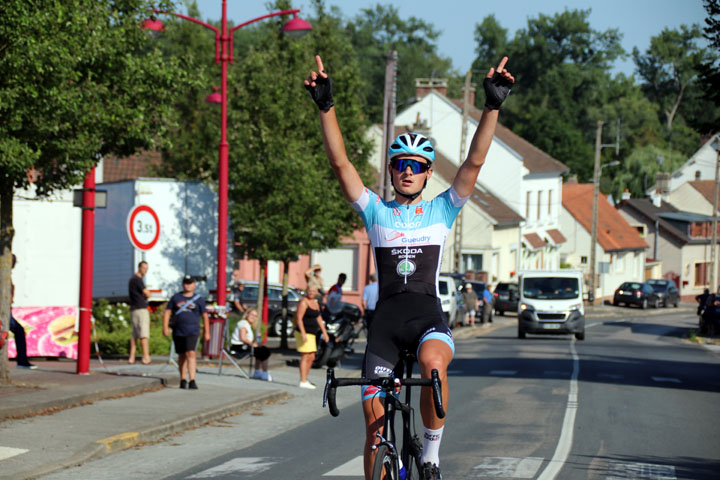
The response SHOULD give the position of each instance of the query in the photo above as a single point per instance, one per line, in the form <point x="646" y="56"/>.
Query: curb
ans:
<point x="62" y="402"/>
<point x="122" y="441"/>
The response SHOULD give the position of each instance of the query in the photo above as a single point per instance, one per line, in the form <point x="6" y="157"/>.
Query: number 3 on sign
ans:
<point x="143" y="227"/>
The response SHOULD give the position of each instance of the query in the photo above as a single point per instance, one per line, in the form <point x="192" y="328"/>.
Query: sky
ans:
<point x="637" y="20"/>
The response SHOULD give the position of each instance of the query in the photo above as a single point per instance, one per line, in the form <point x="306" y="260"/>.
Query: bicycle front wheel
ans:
<point x="385" y="466"/>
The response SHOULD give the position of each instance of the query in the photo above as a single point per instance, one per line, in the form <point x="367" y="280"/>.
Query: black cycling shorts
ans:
<point x="402" y="322"/>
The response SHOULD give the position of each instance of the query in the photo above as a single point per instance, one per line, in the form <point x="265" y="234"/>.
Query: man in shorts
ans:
<point x="408" y="235"/>
<point x="139" y="314"/>
<point x="186" y="309"/>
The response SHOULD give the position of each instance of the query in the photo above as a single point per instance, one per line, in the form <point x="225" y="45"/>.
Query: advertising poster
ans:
<point x="50" y="331"/>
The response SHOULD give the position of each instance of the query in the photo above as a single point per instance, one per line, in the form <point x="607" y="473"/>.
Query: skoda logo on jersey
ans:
<point x="405" y="268"/>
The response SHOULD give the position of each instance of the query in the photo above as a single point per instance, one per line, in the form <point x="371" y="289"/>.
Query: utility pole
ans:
<point x="713" y="244"/>
<point x="388" y="122"/>
<point x="461" y="158"/>
<point x="596" y="191"/>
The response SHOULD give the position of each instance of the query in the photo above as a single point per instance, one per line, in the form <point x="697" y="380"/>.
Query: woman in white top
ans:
<point x="243" y="338"/>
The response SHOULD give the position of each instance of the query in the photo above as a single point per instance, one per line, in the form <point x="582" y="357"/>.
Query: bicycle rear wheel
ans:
<point x="385" y="466"/>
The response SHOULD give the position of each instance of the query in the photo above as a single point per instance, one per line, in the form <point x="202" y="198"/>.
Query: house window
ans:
<point x="583" y="260"/>
<point x="641" y="230"/>
<point x="549" y="203"/>
<point x="527" y="205"/>
<point x="539" y="203"/>
<point x="473" y="261"/>
<point x="701" y="274"/>
<point x="697" y="174"/>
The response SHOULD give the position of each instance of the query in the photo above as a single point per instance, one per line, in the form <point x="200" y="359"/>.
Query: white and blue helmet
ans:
<point x="412" y="144"/>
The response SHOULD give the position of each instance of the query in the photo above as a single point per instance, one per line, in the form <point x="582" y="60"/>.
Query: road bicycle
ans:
<point x="388" y="465"/>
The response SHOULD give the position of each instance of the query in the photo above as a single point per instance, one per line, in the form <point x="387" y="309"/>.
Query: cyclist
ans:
<point x="408" y="235"/>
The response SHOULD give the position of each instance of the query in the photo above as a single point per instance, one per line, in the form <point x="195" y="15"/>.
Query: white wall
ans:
<point x="687" y="199"/>
<point x="703" y="161"/>
<point x="47" y="247"/>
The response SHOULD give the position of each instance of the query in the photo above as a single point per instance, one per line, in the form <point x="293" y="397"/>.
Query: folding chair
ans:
<point x="225" y="352"/>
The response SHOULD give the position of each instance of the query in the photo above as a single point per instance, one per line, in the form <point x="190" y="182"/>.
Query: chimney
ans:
<point x="423" y="86"/>
<point x="656" y="198"/>
<point x="472" y="95"/>
<point x="626" y="194"/>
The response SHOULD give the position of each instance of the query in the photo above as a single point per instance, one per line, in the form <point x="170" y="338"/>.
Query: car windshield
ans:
<point x="551" y="288"/>
<point x="630" y="286"/>
<point x="658" y="287"/>
<point x="443" y="287"/>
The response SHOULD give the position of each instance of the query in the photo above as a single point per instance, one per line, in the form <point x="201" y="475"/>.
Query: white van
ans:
<point x="551" y="303"/>
<point x="447" y="286"/>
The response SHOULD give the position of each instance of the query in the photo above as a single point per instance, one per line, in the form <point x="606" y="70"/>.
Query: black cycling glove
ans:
<point x="321" y="93"/>
<point x="497" y="88"/>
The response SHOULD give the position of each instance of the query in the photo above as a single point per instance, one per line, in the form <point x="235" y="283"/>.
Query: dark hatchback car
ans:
<point x="636" y="293"/>
<point x="505" y="298"/>
<point x="667" y="291"/>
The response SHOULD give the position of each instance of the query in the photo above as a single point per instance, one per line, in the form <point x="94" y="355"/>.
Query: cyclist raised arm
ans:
<point x="408" y="235"/>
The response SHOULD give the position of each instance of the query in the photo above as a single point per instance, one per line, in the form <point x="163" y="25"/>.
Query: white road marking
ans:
<point x="8" y="452"/>
<point x="666" y="379"/>
<point x="503" y="372"/>
<point x="507" y="467"/>
<point x="353" y="468"/>
<point x="566" y="434"/>
<point x="640" y="471"/>
<point x="236" y="465"/>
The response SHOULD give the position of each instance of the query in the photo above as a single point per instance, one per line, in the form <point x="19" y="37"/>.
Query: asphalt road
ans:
<point x="631" y="401"/>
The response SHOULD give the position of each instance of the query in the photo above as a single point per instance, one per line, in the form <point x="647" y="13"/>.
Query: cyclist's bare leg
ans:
<point x="374" y="421"/>
<point x="434" y="354"/>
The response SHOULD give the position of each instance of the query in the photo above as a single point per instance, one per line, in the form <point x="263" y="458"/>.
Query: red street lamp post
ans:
<point x="224" y="55"/>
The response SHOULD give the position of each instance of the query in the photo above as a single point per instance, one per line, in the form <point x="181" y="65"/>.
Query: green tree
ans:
<point x="78" y="80"/>
<point x="561" y="68"/>
<point x="374" y="32"/>
<point x="710" y="69"/>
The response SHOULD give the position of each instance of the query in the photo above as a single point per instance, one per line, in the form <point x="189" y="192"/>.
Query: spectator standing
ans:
<point x="334" y="296"/>
<point x="186" y="309"/>
<point x="487" y="305"/>
<point x="470" y="300"/>
<point x="18" y="332"/>
<point x="139" y="314"/>
<point x="313" y="276"/>
<point x="237" y="289"/>
<point x="369" y="299"/>
<point x="243" y="339"/>
<point x="307" y="325"/>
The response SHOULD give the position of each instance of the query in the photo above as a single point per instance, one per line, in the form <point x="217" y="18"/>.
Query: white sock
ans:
<point x="431" y="445"/>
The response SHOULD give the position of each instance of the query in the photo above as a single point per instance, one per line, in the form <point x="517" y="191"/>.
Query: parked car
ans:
<point x="479" y="288"/>
<point x="636" y="293"/>
<point x="667" y="291"/>
<point x="505" y="298"/>
<point x="451" y="307"/>
<point x="250" y="297"/>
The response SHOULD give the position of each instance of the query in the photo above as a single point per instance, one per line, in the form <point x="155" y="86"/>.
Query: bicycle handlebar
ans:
<point x="386" y="383"/>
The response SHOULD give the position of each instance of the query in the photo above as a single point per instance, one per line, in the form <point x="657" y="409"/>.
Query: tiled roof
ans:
<point x="130" y="168"/>
<point x="556" y="236"/>
<point x="614" y="232"/>
<point x="534" y="159"/>
<point x="706" y="189"/>
<point x="648" y="212"/>
<point x="534" y="240"/>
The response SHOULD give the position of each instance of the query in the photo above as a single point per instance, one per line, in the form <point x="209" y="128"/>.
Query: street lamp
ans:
<point x="224" y="55"/>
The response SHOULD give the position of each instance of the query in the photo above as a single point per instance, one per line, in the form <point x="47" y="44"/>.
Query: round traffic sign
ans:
<point x="143" y="227"/>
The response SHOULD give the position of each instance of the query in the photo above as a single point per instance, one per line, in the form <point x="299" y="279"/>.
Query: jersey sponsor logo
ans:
<point x="423" y="239"/>
<point x="418" y="210"/>
<point x="394" y="235"/>
<point x="406" y="252"/>
<point x="407" y="224"/>
<point x="396" y="212"/>
<point x="406" y="268"/>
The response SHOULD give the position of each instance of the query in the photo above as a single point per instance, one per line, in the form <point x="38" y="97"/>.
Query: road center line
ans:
<point x="562" y="451"/>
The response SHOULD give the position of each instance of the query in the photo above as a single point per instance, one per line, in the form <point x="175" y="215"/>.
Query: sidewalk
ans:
<point x="127" y="405"/>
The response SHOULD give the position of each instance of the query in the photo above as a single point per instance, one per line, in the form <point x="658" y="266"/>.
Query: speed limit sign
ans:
<point x="143" y="227"/>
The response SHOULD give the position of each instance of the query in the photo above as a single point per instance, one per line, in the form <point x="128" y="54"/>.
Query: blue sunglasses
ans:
<point x="400" y="164"/>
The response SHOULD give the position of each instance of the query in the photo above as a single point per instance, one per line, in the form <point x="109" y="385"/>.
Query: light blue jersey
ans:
<point x="408" y="240"/>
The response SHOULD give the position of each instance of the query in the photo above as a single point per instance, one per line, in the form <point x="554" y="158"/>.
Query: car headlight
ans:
<point x="526" y="306"/>
<point x="446" y="301"/>
<point x="575" y="307"/>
